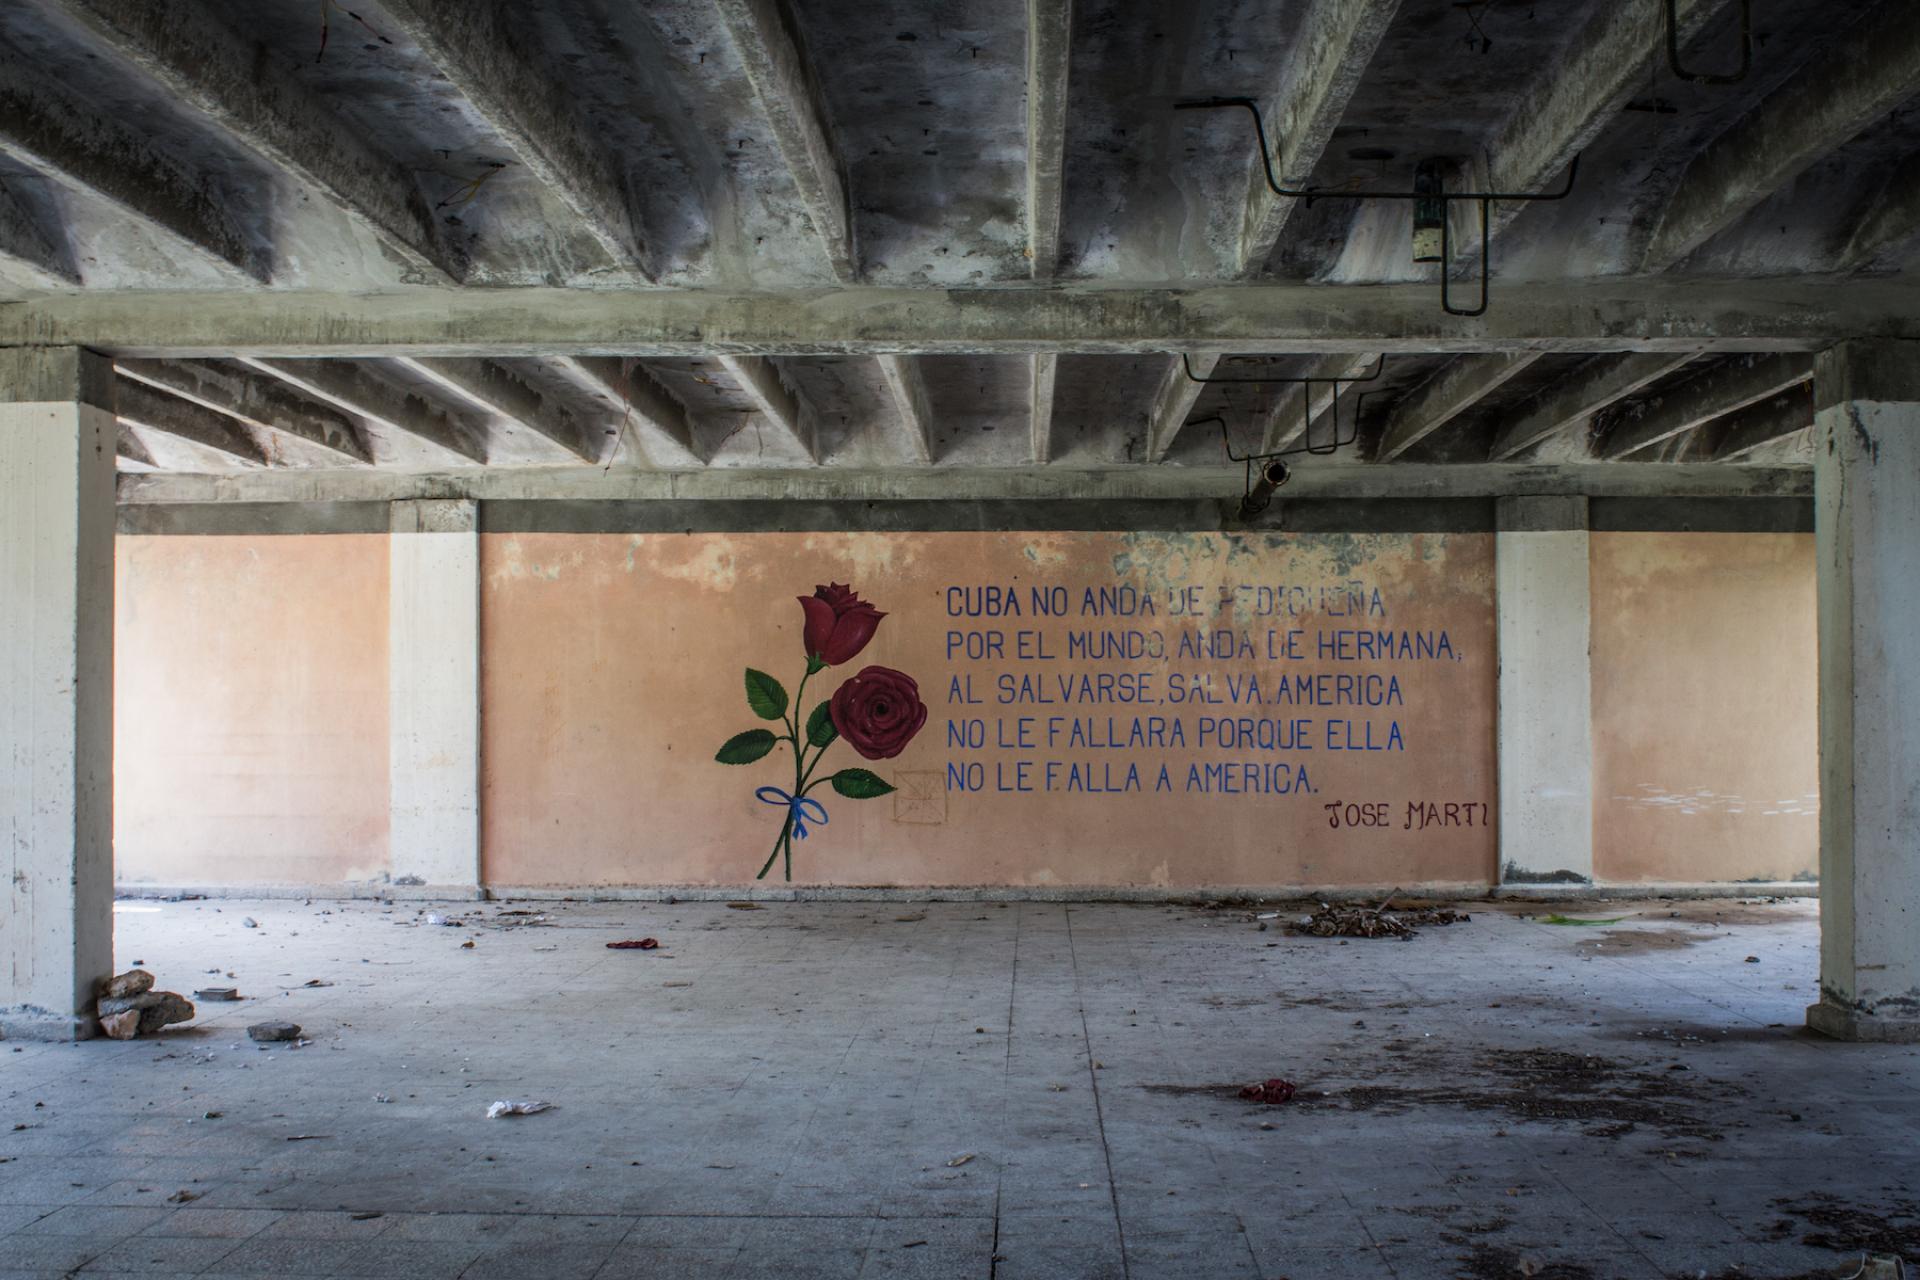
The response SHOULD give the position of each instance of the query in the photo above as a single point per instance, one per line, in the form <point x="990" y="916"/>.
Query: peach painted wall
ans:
<point x="614" y="668"/>
<point x="250" y="718"/>
<point x="1705" y="712"/>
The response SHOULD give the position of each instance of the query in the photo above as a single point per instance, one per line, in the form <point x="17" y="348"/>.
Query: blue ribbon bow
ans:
<point x="797" y="807"/>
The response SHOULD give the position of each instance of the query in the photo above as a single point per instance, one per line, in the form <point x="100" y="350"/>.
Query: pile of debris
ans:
<point x="129" y="1006"/>
<point x="1374" y="922"/>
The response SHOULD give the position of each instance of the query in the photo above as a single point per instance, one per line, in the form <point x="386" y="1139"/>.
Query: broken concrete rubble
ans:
<point x="130" y="1007"/>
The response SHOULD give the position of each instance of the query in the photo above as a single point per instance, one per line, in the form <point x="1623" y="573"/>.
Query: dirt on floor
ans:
<point x="1602" y="1097"/>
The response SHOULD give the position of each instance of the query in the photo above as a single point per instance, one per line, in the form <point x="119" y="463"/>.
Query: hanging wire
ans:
<point x="326" y="8"/>
<point x="1485" y="199"/>
<point x="1255" y="495"/>
<point x="465" y="193"/>
<point x="1703" y="77"/>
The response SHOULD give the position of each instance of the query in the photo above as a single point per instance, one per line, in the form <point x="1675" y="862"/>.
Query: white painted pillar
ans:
<point x="56" y="689"/>
<point x="434" y="695"/>
<point x="1867" y="532"/>
<point x="1546" y="711"/>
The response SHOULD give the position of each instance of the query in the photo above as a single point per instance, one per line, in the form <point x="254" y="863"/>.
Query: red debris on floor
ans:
<point x="1272" y="1092"/>
<point x="634" y="944"/>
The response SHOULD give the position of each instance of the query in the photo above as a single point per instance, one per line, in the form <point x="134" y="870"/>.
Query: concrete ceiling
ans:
<point x="453" y="238"/>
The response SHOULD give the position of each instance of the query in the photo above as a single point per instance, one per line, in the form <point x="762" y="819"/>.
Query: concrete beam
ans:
<point x="1889" y="222"/>
<point x="1760" y="424"/>
<point x="1617" y="314"/>
<point x="1717" y="392"/>
<point x="1456" y="388"/>
<point x="130" y="452"/>
<point x="36" y="257"/>
<point x="768" y="39"/>
<point x="1567" y="405"/>
<point x="1565" y="107"/>
<point x="348" y="387"/>
<point x="519" y="92"/>
<point x="1209" y="482"/>
<point x="257" y="401"/>
<point x="1287" y="425"/>
<point x="1336" y="42"/>
<point x="759" y="378"/>
<point x="1868" y="70"/>
<point x="56" y="692"/>
<point x="661" y="422"/>
<point x="211" y="67"/>
<point x="44" y="126"/>
<point x="145" y="406"/>
<point x="909" y="389"/>
<point x="494" y="390"/>
<point x="1042" y="372"/>
<point x="1049" y="65"/>
<point x="1174" y="400"/>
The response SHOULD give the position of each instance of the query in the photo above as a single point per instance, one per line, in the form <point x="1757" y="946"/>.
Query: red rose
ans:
<point x="839" y="624"/>
<point x="878" y="712"/>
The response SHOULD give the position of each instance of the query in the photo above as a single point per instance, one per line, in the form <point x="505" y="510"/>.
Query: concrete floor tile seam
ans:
<point x="1093" y="1082"/>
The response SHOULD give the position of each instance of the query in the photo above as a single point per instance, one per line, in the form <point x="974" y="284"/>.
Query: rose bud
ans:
<point x="839" y="624"/>
<point x="878" y="712"/>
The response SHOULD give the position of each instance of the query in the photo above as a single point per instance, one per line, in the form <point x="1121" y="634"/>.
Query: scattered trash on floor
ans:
<point x="308" y="1137"/>
<point x="316" y="982"/>
<point x="1556" y="918"/>
<point x="635" y="944"/>
<point x="913" y="918"/>
<point x="467" y="945"/>
<point x="959" y="1160"/>
<point x="1273" y="1092"/>
<point x="217" y="994"/>
<point x="129" y="1006"/>
<point x="249" y="923"/>
<point x="383" y="1097"/>
<point x="273" y="1032"/>
<point x="522" y="1107"/>
<point x="745" y="906"/>
<point x="1374" y="922"/>
<point x="368" y="1216"/>
<point x="1753" y="959"/>
<point x="183" y="1196"/>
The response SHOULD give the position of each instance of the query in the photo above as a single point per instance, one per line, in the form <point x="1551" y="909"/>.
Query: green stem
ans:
<point x="784" y="840"/>
<point x="799" y="772"/>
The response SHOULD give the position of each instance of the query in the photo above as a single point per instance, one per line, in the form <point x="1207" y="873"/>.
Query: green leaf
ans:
<point x="745" y="748"/>
<point x="1580" y="920"/>
<point x="820" y="730"/>
<point x="765" y="695"/>
<point x="860" y="784"/>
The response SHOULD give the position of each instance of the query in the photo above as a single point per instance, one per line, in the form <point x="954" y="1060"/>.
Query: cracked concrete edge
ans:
<point x="1458" y="890"/>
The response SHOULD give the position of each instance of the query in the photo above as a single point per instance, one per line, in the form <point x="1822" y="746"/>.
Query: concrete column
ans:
<point x="1867" y="532"/>
<point x="1546" y="711"/>
<point x="56" y="689"/>
<point x="434" y="694"/>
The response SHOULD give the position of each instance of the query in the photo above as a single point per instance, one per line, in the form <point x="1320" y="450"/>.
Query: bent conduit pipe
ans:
<point x="1484" y="198"/>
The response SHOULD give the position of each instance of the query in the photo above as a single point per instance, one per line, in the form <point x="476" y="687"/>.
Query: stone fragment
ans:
<point x="217" y="993"/>
<point x="269" y="1032"/>
<point x="121" y="1026"/>
<point x="169" y="1009"/>
<point x="122" y="1004"/>
<point x="130" y="983"/>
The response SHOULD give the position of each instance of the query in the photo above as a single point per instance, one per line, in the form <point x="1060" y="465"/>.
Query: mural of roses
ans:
<point x="877" y="711"/>
<point x="839" y="624"/>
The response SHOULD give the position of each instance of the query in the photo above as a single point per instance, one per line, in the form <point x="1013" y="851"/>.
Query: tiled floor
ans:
<point x="962" y="1090"/>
